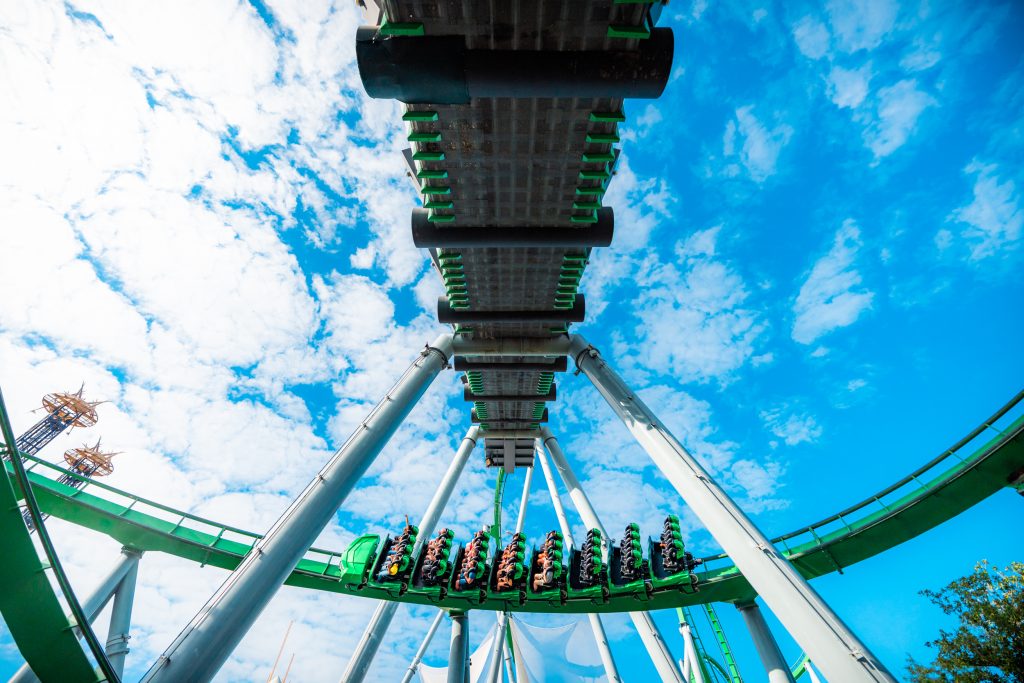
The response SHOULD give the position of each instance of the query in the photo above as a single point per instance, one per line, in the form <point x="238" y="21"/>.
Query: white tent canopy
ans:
<point x="479" y="664"/>
<point x="548" y="655"/>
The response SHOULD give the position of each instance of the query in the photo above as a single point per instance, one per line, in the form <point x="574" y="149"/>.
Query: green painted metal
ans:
<point x="942" y="489"/>
<point x="30" y="607"/>
<point x="723" y="644"/>
<point x="719" y="669"/>
<point x="702" y="654"/>
<point x="499" y="492"/>
<point x="800" y="668"/>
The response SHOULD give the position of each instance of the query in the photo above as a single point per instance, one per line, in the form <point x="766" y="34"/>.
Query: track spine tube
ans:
<point x="208" y="640"/>
<point x="811" y="622"/>
<point x="361" y="660"/>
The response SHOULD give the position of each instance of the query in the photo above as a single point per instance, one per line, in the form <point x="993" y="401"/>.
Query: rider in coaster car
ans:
<point x="472" y="561"/>
<point x="546" y="560"/>
<point x="507" y="565"/>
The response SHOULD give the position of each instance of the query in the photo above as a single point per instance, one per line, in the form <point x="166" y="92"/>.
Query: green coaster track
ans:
<point x="974" y="468"/>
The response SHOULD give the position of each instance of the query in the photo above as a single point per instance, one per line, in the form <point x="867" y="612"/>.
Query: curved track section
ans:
<point x="971" y="470"/>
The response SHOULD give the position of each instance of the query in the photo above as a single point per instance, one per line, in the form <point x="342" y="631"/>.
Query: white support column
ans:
<point x="497" y="648"/>
<point x="507" y="656"/>
<point x="521" y="517"/>
<point x="119" y="632"/>
<point x="209" y="639"/>
<point x="458" y="655"/>
<point x="648" y="631"/>
<point x="765" y="643"/>
<point x="692" y="658"/>
<point x="494" y="672"/>
<point x="610" y="670"/>
<point x="375" y="631"/>
<point x="817" y="629"/>
<point x="94" y="604"/>
<point x="418" y="657"/>
<point x="811" y="673"/>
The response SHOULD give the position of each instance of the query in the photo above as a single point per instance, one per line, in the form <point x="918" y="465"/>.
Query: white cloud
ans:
<point x="792" y="427"/>
<point x="762" y="481"/>
<point x="812" y="37"/>
<point x="151" y="187"/>
<point x="991" y="223"/>
<point x="861" y="24"/>
<point x="650" y="117"/>
<point x="757" y="146"/>
<point x="894" y="117"/>
<point x="922" y="56"/>
<point x="693" y="321"/>
<point x="849" y="87"/>
<point x="640" y="204"/>
<point x="831" y="296"/>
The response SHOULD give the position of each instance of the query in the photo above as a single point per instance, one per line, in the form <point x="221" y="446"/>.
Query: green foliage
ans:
<point x="988" y="644"/>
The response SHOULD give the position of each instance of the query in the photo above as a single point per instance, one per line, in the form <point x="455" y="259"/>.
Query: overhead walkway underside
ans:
<point x="942" y="489"/>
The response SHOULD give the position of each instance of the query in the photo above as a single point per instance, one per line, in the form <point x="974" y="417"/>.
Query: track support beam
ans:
<point x="458" y="654"/>
<point x="366" y="650"/>
<point x="818" y="630"/>
<point x="118" y="634"/>
<point x="441" y="70"/>
<point x="765" y="643"/>
<point x="508" y="420"/>
<point x="596" y="625"/>
<point x="118" y="585"/>
<point x="464" y="365"/>
<point x="427" y="235"/>
<point x="418" y="657"/>
<point x="448" y="315"/>
<point x="208" y="640"/>
<point x="468" y="395"/>
<point x="648" y="631"/>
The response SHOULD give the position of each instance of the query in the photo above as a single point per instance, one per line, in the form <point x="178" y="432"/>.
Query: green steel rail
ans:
<point x="703" y="658"/>
<point x="33" y="613"/>
<point x="800" y="668"/>
<point x="940" y="490"/>
<point x="723" y="644"/>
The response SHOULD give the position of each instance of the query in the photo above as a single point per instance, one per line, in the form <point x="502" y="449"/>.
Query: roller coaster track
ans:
<point x="974" y="468"/>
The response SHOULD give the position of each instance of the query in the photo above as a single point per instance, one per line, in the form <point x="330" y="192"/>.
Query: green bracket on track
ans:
<point x="406" y="28"/>
<point x="637" y="32"/>
<point x="420" y="116"/>
<point x="499" y="492"/>
<point x="800" y="668"/>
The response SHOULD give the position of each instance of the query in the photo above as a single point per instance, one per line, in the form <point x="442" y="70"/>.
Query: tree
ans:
<point x="988" y="644"/>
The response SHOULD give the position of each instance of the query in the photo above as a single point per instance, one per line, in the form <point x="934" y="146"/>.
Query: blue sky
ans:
<point x="815" y="282"/>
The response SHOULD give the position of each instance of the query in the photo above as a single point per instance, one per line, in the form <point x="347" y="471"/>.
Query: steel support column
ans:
<point x="494" y="673"/>
<point x="767" y="648"/>
<point x="818" y="630"/>
<point x="811" y="673"/>
<point x="126" y="569"/>
<point x="610" y="670"/>
<point x="118" y="634"/>
<point x="521" y="518"/>
<point x="366" y="650"/>
<point x="208" y="640"/>
<point x="418" y="657"/>
<point x="693" y="664"/>
<point x="648" y="631"/>
<point x="458" y="655"/>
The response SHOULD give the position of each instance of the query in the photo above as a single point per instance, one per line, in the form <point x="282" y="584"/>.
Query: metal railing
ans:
<point x="897" y="496"/>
